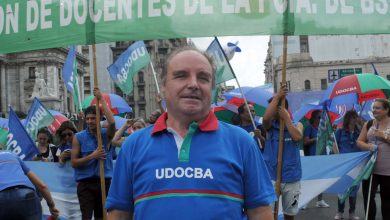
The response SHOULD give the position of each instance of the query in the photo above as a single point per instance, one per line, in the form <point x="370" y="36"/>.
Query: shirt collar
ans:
<point x="208" y="124"/>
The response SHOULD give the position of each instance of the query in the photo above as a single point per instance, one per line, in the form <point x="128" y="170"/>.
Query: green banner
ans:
<point x="37" y="24"/>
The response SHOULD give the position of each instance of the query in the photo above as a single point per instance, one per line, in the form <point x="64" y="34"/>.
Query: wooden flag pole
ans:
<point x="99" y="135"/>
<point x="281" y="134"/>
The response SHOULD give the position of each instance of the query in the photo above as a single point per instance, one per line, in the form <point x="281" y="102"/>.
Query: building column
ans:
<point x="3" y="79"/>
<point x="22" y="100"/>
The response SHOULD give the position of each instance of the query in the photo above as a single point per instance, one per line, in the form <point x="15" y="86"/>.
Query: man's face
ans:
<point x="90" y="120"/>
<point x="246" y="114"/>
<point x="188" y="85"/>
<point x="153" y="117"/>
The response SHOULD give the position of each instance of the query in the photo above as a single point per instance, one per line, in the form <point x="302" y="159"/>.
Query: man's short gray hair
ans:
<point x="163" y="75"/>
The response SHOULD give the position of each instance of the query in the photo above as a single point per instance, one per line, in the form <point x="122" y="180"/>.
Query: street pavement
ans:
<point x="314" y="213"/>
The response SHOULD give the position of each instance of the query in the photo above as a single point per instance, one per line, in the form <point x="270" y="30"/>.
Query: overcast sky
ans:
<point x="247" y="65"/>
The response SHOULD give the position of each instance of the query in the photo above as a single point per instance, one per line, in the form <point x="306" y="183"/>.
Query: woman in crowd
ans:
<point x="375" y="136"/>
<point x="47" y="151"/>
<point x="135" y="124"/>
<point x="310" y="145"/>
<point x="346" y="138"/>
<point x="65" y="134"/>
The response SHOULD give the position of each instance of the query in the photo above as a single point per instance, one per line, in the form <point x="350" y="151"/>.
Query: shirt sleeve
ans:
<point x="24" y="166"/>
<point x="120" y="195"/>
<point x="257" y="182"/>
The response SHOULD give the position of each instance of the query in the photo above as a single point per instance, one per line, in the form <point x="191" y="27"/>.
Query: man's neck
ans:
<point x="181" y="124"/>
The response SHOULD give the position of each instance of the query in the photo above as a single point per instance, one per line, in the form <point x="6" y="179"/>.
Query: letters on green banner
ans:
<point x="38" y="24"/>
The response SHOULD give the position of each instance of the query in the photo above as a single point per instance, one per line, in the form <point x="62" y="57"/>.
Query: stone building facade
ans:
<point x="310" y="66"/>
<point x="21" y="72"/>
<point x="143" y="98"/>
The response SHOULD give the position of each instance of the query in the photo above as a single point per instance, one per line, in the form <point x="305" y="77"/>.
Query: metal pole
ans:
<point x="369" y="197"/>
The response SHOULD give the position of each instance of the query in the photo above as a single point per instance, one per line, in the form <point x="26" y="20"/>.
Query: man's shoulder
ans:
<point x="232" y="130"/>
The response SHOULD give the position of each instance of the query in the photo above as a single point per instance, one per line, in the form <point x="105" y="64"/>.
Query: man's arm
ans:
<point x="119" y="215"/>
<point x="272" y="108"/>
<point x="77" y="161"/>
<point x="260" y="213"/>
<point x="107" y="112"/>
<point x="41" y="186"/>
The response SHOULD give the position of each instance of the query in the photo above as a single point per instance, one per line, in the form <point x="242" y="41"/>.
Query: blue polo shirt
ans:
<point x="88" y="144"/>
<point x="346" y="140"/>
<point x="291" y="164"/>
<point x="217" y="176"/>
<point x="13" y="171"/>
<point x="311" y="132"/>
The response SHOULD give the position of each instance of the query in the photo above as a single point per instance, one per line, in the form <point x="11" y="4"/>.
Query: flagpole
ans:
<point x="99" y="136"/>
<point x="369" y="197"/>
<point x="242" y="93"/>
<point x="155" y="77"/>
<point x="79" y="95"/>
<point x="281" y="133"/>
<point x="248" y="109"/>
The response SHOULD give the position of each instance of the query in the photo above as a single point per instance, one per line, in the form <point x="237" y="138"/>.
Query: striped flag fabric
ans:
<point x="336" y="177"/>
<point x="325" y="135"/>
<point x="364" y="175"/>
<point x="70" y="76"/>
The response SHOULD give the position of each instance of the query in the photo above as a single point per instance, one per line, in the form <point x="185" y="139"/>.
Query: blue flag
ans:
<point x="69" y="74"/>
<point x="19" y="142"/>
<point x="127" y="65"/>
<point x="38" y="117"/>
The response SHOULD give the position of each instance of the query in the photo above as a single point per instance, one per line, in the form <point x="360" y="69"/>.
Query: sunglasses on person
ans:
<point x="70" y="134"/>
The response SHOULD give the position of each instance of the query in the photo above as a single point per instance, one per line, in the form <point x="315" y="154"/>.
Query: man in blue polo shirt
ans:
<point x="85" y="158"/>
<point x="291" y="163"/>
<point x="18" y="196"/>
<point x="189" y="165"/>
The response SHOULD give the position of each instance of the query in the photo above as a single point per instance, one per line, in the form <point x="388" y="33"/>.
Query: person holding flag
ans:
<point x="85" y="156"/>
<point x="376" y="138"/>
<point x="291" y="163"/>
<point x="243" y="120"/>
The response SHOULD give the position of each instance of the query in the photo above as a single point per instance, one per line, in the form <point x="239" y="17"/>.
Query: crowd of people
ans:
<point x="185" y="164"/>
